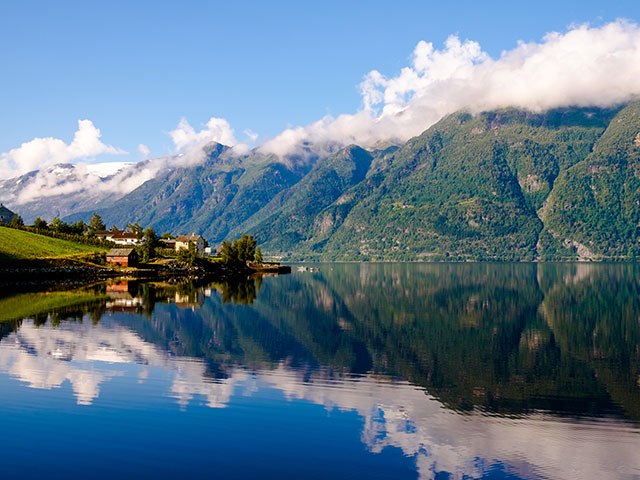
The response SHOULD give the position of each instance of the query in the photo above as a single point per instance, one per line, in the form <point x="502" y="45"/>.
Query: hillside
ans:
<point x="41" y="304"/>
<point x="499" y="185"/>
<point x="20" y="245"/>
<point x="468" y="188"/>
<point x="595" y="205"/>
<point x="288" y="218"/>
<point x="211" y="198"/>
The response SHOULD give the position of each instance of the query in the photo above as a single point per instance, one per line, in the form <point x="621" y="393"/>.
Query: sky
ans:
<point x="151" y="75"/>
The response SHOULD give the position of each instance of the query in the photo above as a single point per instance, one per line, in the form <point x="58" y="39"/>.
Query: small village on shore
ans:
<point x="57" y="248"/>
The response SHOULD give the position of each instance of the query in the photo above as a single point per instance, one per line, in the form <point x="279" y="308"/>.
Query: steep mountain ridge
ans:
<point x="470" y="187"/>
<point x="288" y="224"/>
<point x="58" y="190"/>
<point x="499" y="185"/>
<point x="595" y="207"/>
<point x="210" y="198"/>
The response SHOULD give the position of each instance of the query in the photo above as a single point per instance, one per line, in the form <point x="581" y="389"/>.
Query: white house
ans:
<point x="125" y="238"/>
<point x="183" y="241"/>
<point x="107" y="234"/>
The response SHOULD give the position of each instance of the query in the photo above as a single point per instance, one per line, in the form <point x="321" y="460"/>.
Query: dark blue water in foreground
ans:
<point x="353" y="371"/>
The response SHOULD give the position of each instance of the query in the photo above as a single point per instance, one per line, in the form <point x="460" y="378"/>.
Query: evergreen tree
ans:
<point x="149" y="244"/>
<point x="40" y="224"/>
<point x="258" y="256"/>
<point x="96" y="223"/>
<point x="78" y="228"/>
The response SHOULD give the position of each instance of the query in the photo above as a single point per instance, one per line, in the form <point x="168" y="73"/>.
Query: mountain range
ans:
<point x="506" y="184"/>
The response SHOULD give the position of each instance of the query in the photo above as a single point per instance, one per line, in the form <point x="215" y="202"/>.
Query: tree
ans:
<point x="228" y="253"/>
<point x="149" y="244"/>
<point x="40" y="224"/>
<point x="188" y="255"/>
<point x="78" y="228"/>
<point x="258" y="256"/>
<point x="150" y="237"/>
<point x="137" y="229"/>
<point x="96" y="223"/>
<point x="57" y="225"/>
<point x="240" y="251"/>
<point x="16" y="221"/>
<point x="246" y="248"/>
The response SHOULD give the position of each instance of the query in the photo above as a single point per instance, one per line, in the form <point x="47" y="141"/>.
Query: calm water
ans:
<point x="353" y="371"/>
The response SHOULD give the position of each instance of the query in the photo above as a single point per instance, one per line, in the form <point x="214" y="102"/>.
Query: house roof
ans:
<point x="187" y="238"/>
<point x="125" y="235"/>
<point x="120" y="252"/>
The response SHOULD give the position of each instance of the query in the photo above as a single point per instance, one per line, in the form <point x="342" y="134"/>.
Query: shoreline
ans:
<point x="42" y="271"/>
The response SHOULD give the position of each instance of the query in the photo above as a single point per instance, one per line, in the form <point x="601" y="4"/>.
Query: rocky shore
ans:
<point x="44" y="271"/>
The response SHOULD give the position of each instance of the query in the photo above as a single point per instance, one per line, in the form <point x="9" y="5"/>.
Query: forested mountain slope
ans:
<point x="470" y="187"/>
<point x="499" y="185"/>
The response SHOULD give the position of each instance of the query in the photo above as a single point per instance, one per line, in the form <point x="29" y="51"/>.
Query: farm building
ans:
<point x="126" y="257"/>
<point x="6" y="215"/>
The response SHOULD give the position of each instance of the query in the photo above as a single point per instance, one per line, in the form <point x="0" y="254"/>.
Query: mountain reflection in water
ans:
<point x="481" y="371"/>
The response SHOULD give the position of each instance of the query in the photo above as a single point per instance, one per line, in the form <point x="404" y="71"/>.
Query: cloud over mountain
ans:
<point x="586" y="66"/>
<point x="45" y="152"/>
<point x="218" y="130"/>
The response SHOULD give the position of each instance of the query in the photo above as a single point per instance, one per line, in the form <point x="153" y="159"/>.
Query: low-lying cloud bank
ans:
<point x="586" y="66"/>
<point x="44" y="152"/>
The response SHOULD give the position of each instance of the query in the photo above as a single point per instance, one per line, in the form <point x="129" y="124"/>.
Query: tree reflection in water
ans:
<point x="506" y="339"/>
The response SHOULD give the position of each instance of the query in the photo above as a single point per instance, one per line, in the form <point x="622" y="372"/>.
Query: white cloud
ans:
<point x="585" y="66"/>
<point x="217" y="130"/>
<point x="87" y="356"/>
<point x="190" y="143"/>
<point x="44" y="152"/>
<point x="251" y="135"/>
<point x="144" y="151"/>
<point x="90" y="180"/>
<point x="398" y="414"/>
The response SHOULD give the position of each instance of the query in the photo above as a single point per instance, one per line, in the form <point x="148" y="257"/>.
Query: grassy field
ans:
<point x="20" y="245"/>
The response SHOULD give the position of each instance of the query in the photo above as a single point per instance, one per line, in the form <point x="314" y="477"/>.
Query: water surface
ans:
<point x="353" y="371"/>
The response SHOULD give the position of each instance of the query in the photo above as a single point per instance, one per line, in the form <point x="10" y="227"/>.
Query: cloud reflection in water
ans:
<point x="395" y="413"/>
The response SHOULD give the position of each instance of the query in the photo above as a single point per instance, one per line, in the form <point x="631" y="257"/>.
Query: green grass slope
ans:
<point x="20" y="245"/>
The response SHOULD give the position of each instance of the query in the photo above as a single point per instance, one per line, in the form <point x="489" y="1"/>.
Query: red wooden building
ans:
<point x="126" y="257"/>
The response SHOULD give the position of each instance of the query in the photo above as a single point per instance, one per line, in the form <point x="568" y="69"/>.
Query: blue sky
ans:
<point x="135" y="68"/>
